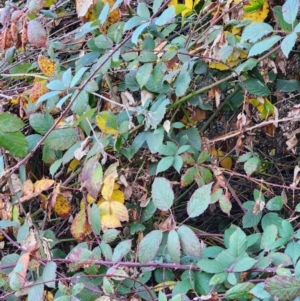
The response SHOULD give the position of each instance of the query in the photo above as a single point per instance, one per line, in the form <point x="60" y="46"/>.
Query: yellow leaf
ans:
<point x="42" y="185"/>
<point x="120" y="211"/>
<point x="117" y="196"/>
<point x="28" y="187"/>
<point x="225" y="162"/>
<point x="90" y="199"/>
<point x="72" y="166"/>
<point x="104" y="208"/>
<point x="259" y="15"/>
<point x="189" y="4"/>
<point x="62" y="207"/>
<point x="108" y="186"/>
<point x="263" y="106"/>
<point x="46" y="65"/>
<point x="113" y="16"/>
<point x="110" y="221"/>
<point x="38" y="89"/>
<point x="107" y="122"/>
<point x="112" y="169"/>
<point x="166" y="284"/>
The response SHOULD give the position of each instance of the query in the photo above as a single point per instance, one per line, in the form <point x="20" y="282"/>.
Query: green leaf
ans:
<point x="288" y="43"/>
<point x="218" y="278"/>
<point x="15" y="143"/>
<point x="244" y="264"/>
<point x="268" y="237"/>
<point x="199" y="201"/>
<point x="225" y="204"/>
<point x="251" y="165"/>
<point x="237" y="243"/>
<point x="149" y="245"/>
<point x="103" y="42"/>
<point x="138" y="31"/>
<point x="10" y="123"/>
<point x="80" y="104"/>
<point x="57" y="85"/>
<point x="143" y="74"/>
<point x="61" y="139"/>
<point x="133" y="22"/>
<point x="287" y="85"/>
<point x="143" y="11"/>
<point x="148" y="212"/>
<point x="110" y="235"/>
<point x="168" y="149"/>
<point x="277" y="10"/>
<point x="255" y="31"/>
<point x="162" y="296"/>
<point x="259" y="291"/>
<point x="162" y="194"/>
<point x="174" y="246"/>
<point x="190" y="244"/>
<point x="166" y="17"/>
<point x="285" y="288"/>
<point x="256" y="87"/>
<point x="246" y="66"/>
<point x="55" y="166"/>
<point x="47" y="96"/>
<point x="121" y="250"/>
<point x="156" y="5"/>
<point x="106" y="250"/>
<point x="293" y="250"/>
<point x="271" y="218"/>
<point x="178" y="163"/>
<point x="95" y="219"/>
<point x="210" y="266"/>
<point x="78" y="76"/>
<point x="263" y="45"/>
<point x="164" y="164"/>
<point x="67" y="77"/>
<point x="240" y="291"/>
<point x="289" y="10"/>
<point x="49" y="273"/>
<point x="275" y="203"/>
<point x="182" y="83"/>
<point x="41" y="123"/>
<point x="104" y="13"/>
<point x="250" y="219"/>
<point x="36" y="292"/>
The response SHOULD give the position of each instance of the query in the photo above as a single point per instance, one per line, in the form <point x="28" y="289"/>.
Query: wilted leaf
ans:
<point x="107" y="122"/>
<point x="91" y="176"/>
<point x="38" y="89"/>
<point x="42" y="185"/>
<point x="17" y="277"/>
<point x="35" y="6"/>
<point x="80" y="227"/>
<point x="36" y="34"/>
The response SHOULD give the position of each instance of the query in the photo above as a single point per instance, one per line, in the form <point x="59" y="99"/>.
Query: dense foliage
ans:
<point x="149" y="150"/>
